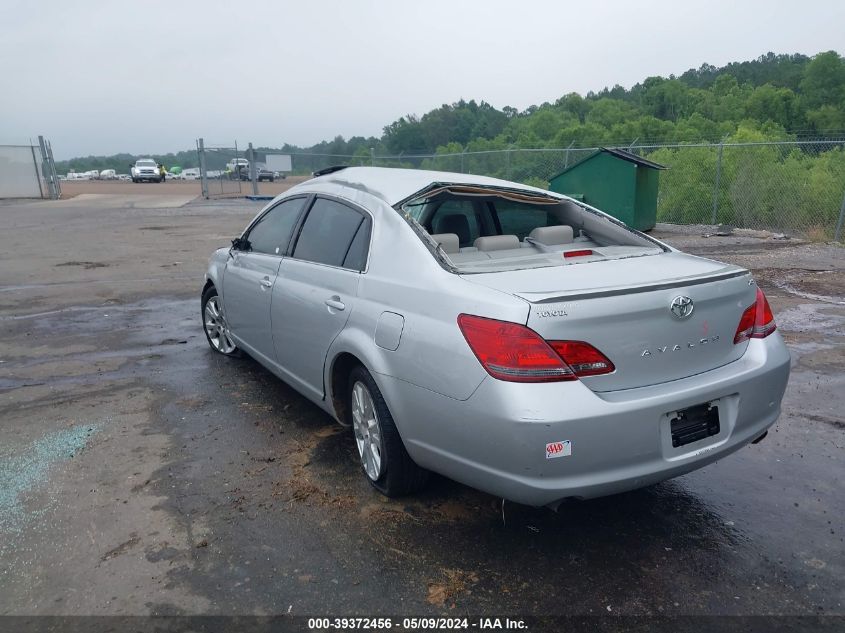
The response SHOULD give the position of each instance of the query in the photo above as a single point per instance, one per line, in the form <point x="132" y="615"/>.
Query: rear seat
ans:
<point x="489" y="247"/>
<point x="496" y="243"/>
<point x="557" y="237"/>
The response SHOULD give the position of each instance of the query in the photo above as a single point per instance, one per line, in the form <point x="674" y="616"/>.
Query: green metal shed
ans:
<point x="615" y="181"/>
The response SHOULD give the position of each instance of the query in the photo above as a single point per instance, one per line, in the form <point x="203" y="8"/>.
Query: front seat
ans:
<point x="455" y="223"/>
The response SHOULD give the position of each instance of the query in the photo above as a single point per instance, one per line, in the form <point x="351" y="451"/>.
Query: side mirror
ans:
<point x="240" y="244"/>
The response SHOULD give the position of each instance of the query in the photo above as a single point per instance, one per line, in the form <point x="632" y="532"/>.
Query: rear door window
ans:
<point x="356" y="256"/>
<point x="519" y="219"/>
<point x="458" y="217"/>
<point x="271" y="234"/>
<point x="329" y="234"/>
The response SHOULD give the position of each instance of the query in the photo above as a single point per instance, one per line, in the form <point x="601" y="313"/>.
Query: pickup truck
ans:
<point x="145" y="170"/>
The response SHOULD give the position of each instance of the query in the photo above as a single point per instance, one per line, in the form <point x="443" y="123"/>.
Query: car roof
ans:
<point x="394" y="185"/>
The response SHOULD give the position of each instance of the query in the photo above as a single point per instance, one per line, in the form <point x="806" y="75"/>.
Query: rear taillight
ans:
<point x="757" y="321"/>
<point x="513" y="352"/>
<point x="583" y="358"/>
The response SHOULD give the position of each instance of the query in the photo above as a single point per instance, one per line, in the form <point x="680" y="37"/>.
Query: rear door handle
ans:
<point x="266" y="282"/>
<point x="336" y="303"/>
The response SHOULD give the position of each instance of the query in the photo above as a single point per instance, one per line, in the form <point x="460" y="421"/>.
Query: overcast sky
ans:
<point x="149" y="76"/>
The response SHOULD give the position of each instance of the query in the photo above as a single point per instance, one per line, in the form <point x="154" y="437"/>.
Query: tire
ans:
<point x="391" y="471"/>
<point x="214" y="324"/>
<point x="134" y="180"/>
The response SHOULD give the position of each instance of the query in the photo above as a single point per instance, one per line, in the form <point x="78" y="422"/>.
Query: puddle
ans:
<point x="811" y="317"/>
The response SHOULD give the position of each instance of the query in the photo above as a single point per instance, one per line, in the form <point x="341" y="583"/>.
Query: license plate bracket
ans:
<point x="694" y="423"/>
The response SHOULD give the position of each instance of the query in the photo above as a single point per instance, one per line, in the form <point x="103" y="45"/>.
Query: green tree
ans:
<point x="769" y="103"/>
<point x="827" y="118"/>
<point x="824" y="81"/>
<point x="574" y="104"/>
<point x="665" y="98"/>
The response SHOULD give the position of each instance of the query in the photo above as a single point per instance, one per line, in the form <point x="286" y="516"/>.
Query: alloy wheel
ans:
<point x="367" y="430"/>
<point x="216" y="328"/>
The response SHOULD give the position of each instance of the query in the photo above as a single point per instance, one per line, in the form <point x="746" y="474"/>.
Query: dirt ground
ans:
<point x="71" y="188"/>
<point x="142" y="474"/>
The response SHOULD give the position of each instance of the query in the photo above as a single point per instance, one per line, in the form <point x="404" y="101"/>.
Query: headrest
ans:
<point x="550" y="235"/>
<point x="449" y="241"/>
<point x="496" y="242"/>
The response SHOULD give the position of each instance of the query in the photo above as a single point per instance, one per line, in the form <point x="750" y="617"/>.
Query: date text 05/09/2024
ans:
<point x="424" y="623"/>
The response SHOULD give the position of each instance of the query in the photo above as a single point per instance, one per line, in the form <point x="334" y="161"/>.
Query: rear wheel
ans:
<point x="214" y="324"/>
<point x="385" y="462"/>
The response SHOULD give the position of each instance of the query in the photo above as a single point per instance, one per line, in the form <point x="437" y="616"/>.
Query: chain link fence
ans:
<point x="220" y="169"/>
<point x="28" y="171"/>
<point x="793" y="187"/>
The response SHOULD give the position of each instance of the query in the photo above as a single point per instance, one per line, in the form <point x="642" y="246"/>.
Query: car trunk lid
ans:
<point x="624" y="309"/>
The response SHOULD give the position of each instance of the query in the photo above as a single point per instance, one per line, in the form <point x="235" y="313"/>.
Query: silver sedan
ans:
<point x="512" y="339"/>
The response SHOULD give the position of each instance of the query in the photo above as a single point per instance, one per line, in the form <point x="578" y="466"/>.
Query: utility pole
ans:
<point x="203" y="176"/>
<point x="252" y="176"/>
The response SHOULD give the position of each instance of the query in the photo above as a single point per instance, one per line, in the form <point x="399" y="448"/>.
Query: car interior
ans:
<point x="497" y="230"/>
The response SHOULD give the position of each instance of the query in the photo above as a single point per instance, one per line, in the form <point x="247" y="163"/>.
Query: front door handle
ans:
<point x="266" y="282"/>
<point x="336" y="303"/>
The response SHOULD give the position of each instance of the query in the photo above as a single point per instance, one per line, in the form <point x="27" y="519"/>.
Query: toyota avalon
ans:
<point x="512" y="339"/>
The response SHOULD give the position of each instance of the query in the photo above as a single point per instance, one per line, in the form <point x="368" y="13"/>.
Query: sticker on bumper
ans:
<point x="558" y="449"/>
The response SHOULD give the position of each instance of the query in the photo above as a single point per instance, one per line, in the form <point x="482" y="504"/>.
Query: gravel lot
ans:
<point x="141" y="474"/>
<point x="71" y="188"/>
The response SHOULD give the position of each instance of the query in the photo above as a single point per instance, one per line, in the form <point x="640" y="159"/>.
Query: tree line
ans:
<point x="774" y="96"/>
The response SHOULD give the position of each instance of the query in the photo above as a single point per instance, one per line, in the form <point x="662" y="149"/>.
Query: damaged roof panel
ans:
<point x="397" y="185"/>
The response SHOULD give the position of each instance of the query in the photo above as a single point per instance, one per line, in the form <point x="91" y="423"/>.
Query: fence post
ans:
<point x="372" y="157"/>
<point x="716" y="186"/>
<point x="838" y="235"/>
<point x="252" y="178"/>
<point x="203" y="176"/>
<point x="47" y="170"/>
<point x="463" y="153"/>
<point x="566" y="157"/>
<point x="57" y="185"/>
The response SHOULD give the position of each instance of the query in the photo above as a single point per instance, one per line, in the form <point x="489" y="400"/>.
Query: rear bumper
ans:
<point x="496" y="439"/>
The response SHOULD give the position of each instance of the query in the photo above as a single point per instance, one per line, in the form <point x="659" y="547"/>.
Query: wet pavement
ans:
<point x="142" y="474"/>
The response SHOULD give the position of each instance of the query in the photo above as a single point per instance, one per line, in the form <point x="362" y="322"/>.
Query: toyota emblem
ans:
<point x="682" y="307"/>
